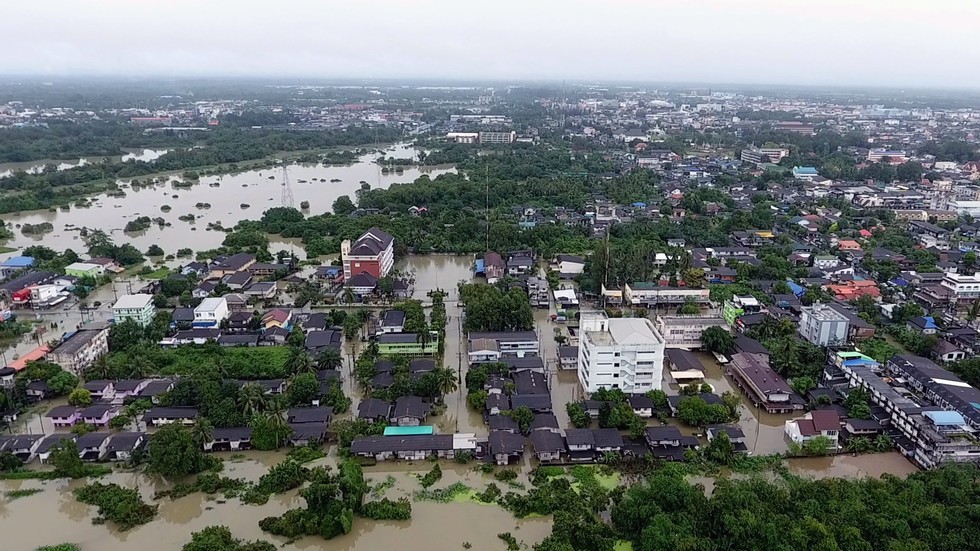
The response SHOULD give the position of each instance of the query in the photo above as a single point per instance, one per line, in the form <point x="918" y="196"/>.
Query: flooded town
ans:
<point x="399" y="290"/>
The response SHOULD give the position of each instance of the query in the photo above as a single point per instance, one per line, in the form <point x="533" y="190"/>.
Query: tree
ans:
<point x="343" y="205"/>
<point x="689" y="307"/>
<point x="219" y="538"/>
<point x="577" y="415"/>
<point x="448" y="382"/>
<point x="329" y="358"/>
<point x="720" y="450"/>
<point x="717" y="339"/>
<point x="174" y="454"/>
<point x="303" y="389"/>
<point x="694" y="278"/>
<point x="523" y="416"/>
<point x="659" y="399"/>
<point x="80" y="397"/>
<point x="268" y="432"/>
<point x="251" y="399"/>
<point x="802" y="385"/>
<point x="202" y="432"/>
<point x="299" y="361"/>
<point x="66" y="460"/>
<point x="62" y="383"/>
<point x="155" y="250"/>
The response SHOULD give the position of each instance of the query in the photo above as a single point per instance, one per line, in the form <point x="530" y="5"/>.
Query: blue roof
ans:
<point x="804" y="170"/>
<point x="797" y="289"/>
<point x="899" y="282"/>
<point x="930" y="322"/>
<point x="480" y="268"/>
<point x="18" y="262"/>
<point x="640" y="204"/>
<point x="945" y="417"/>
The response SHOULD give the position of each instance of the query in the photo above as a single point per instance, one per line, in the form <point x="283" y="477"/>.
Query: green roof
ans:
<point x="409" y="431"/>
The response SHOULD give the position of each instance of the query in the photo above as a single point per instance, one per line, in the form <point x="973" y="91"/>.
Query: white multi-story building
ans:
<point x="823" y="326"/>
<point x="759" y="155"/>
<point x="652" y="295"/>
<point x="623" y="353"/>
<point x="498" y="137"/>
<point x="138" y="308"/>
<point x="964" y="287"/>
<point x="684" y="331"/>
<point x="211" y="312"/>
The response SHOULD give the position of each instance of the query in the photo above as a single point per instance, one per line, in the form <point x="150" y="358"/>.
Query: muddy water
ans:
<point x="225" y="193"/>
<point x="853" y="466"/>
<point x="434" y="526"/>
<point x="35" y="167"/>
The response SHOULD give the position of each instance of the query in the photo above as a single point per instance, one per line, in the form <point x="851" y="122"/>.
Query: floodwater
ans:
<point x="35" y="167"/>
<point x="434" y="526"/>
<point x="259" y="189"/>
<point x="853" y="466"/>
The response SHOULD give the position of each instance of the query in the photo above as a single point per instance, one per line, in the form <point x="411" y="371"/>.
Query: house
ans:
<point x="274" y="336"/>
<point x="192" y="336"/>
<point x="100" y="389"/>
<point x="210" y="312"/>
<point x="663" y="436"/>
<point x="14" y="265"/>
<point x="127" y="388"/>
<point x="318" y="340"/>
<point x="262" y="290"/>
<point x="373" y="410"/>
<point x="925" y="325"/>
<point x="362" y="284"/>
<point x="372" y="253"/>
<point x="607" y="440"/>
<point x="581" y="444"/>
<point x="22" y="446"/>
<point x="545" y="422"/>
<point x="277" y="318"/>
<point x="63" y="416"/>
<point x="409" y="411"/>
<point x="98" y="415"/>
<point x="494" y="267"/>
<point x="236" y="302"/>
<point x="193" y="268"/>
<point x="227" y="265"/>
<point x="264" y="269"/>
<point x="505" y="446"/>
<point x="159" y="416"/>
<point x="122" y="445"/>
<point x="823" y="422"/>
<point x="230" y="439"/>
<point x="421" y="366"/>
<point x="507" y="343"/>
<point x="182" y="318"/>
<point x="538" y="403"/>
<point x="392" y="322"/>
<point x="156" y="388"/>
<point x="398" y="344"/>
<point x="763" y="385"/>
<point x="204" y="289"/>
<point x="946" y="351"/>
<point x="305" y="434"/>
<point x="237" y="281"/>
<point x="309" y="415"/>
<point x="568" y="357"/>
<point x="735" y="435"/>
<point x="641" y="404"/>
<point x="408" y="447"/>
<point x="238" y="322"/>
<point x="568" y="266"/>
<point x="503" y="422"/>
<point x="547" y="445"/>
<point x="317" y="321"/>
<point x="519" y="265"/>
<point x="49" y="442"/>
<point x="683" y="365"/>
<point x="93" y="446"/>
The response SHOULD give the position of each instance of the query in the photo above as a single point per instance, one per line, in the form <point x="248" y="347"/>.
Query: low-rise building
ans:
<point x="138" y="308"/>
<point x="210" y="312"/>
<point x="684" y="331"/>
<point x="817" y="423"/>
<point x="763" y="385"/>
<point x="823" y="326"/>
<point x="80" y="349"/>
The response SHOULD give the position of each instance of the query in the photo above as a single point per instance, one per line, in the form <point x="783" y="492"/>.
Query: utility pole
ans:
<point x="487" y="212"/>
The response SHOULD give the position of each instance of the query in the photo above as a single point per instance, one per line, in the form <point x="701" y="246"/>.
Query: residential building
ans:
<point x="651" y="295"/>
<point x="684" y="331"/>
<point x="805" y="173"/>
<point x="822" y="325"/>
<point x="227" y="265"/>
<point x="763" y="385"/>
<point x="895" y="157"/>
<point x="494" y="267"/>
<point x="498" y="137"/>
<point x="492" y="346"/>
<point x="210" y="312"/>
<point x="138" y="308"/>
<point x="823" y="423"/>
<point x="684" y="366"/>
<point x="392" y="322"/>
<point x="407" y="344"/>
<point x="763" y="155"/>
<point x="80" y="349"/>
<point x="623" y="353"/>
<point x="739" y="306"/>
<point x="83" y="269"/>
<point x="372" y="253"/>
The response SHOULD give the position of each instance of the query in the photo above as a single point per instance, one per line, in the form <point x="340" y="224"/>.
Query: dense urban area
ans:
<point x="520" y="316"/>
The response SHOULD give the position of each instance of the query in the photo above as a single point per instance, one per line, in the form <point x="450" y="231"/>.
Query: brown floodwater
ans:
<point x="434" y="526"/>
<point x="35" y="167"/>
<point x="225" y="193"/>
<point x="853" y="466"/>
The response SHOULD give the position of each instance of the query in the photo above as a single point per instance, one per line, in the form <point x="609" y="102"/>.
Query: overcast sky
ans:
<point x="927" y="43"/>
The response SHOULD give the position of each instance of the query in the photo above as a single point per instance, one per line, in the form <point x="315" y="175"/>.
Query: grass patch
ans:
<point x="14" y="494"/>
<point x="7" y="250"/>
<point x="60" y="547"/>
<point x="623" y="545"/>
<point x="159" y="273"/>
<point x="443" y="495"/>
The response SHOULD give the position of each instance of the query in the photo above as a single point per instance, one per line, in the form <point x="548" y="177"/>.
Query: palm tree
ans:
<point x="329" y="358"/>
<point x="447" y="382"/>
<point x="348" y="296"/>
<point x="276" y="416"/>
<point x="140" y="367"/>
<point x="251" y="399"/>
<point x="100" y="369"/>
<point x="299" y="361"/>
<point x="202" y="432"/>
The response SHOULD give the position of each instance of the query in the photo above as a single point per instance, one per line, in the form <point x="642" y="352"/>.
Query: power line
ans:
<point x="287" y="188"/>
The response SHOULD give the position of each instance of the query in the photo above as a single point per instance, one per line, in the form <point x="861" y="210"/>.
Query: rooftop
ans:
<point x="133" y="301"/>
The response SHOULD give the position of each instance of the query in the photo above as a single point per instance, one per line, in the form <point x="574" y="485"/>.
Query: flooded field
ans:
<point x="434" y="526"/>
<point x="853" y="466"/>
<point x="259" y="189"/>
<point x="35" y="167"/>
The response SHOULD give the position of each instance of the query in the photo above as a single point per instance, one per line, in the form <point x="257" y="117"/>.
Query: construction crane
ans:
<point x="287" y="188"/>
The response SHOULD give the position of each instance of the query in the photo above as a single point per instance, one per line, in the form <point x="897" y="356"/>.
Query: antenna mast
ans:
<point x="287" y="189"/>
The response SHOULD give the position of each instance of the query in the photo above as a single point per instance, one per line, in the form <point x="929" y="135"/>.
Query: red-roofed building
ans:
<point x="848" y="245"/>
<point x="34" y="355"/>
<point x="824" y="423"/>
<point x="865" y="233"/>
<point x="852" y="290"/>
<point x="372" y="253"/>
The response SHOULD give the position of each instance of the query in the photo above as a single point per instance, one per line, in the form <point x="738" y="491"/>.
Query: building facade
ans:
<point x="623" y="353"/>
<point x="498" y="137"/>
<point x="80" y="349"/>
<point x="684" y="331"/>
<point x="372" y="253"/>
<point x="822" y="325"/>
<point x="138" y="308"/>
